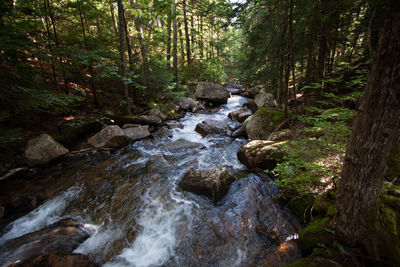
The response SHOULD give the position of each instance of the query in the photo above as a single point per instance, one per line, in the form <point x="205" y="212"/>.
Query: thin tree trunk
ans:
<point x="114" y="24"/>
<point x="291" y="57"/>
<point x="182" y="45"/>
<point x="175" y="45"/>
<point x="139" y="30"/>
<point x="121" y="36"/>
<point x="185" y="21"/>
<point x="374" y="133"/>
<point x="169" y="38"/>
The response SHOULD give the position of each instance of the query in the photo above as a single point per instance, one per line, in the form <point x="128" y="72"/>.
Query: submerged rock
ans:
<point x="262" y="154"/>
<point x="61" y="237"/>
<point x="212" y="183"/>
<point x="212" y="92"/>
<point x="262" y="123"/>
<point x="43" y="149"/>
<point x="211" y="127"/>
<point x="111" y="136"/>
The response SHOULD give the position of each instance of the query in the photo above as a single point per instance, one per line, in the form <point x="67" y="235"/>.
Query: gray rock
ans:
<point x="149" y="120"/>
<point x="280" y="135"/>
<point x="253" y="91"/>
<point x="187" y="104"/>
<point x="212" y="93"/>
<point x="130" y="125"/>
<point x="173" y="125"/>
<point x="240" y="115"/>
<point x="250" y="104"/>
<point x="211" y="127"/>
<point x="212" y="183"/>
<point x="262" y="123"/>
<point x="265" y="100"/>
<point x="43" y="149"/>
<point x="240" y="132"/>
<point x="262" y="154"/>
<point x="157" y="113"/>
<point x="136" y="133"/>
<point x="112" y="136"/>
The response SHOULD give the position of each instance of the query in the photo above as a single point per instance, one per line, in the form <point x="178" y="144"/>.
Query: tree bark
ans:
<point x="187" y="36"/>
<point x="175" y="44"/>
<point x="114" y="24"/>
<point x="169" y="24"/>
<point x="374" y="132"/>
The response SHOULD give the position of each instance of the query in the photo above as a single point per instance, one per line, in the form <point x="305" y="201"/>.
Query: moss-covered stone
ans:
<point x="393" y="170"/>
<point x="324" y="204"/>
<point x="261" y="124"/>
<point x="315" y="234"/>
<point x="313" y="262"/>
<point x="300" y="206"/>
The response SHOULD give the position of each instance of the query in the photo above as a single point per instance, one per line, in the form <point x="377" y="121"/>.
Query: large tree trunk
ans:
<point x="175" y="44"/>
<point x="121" y="35"/>
<point x="374" y="132"/>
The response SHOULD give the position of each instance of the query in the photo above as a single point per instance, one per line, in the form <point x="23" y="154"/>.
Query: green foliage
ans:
<point x="210" y="70"/>
<point x="31" y="99"/>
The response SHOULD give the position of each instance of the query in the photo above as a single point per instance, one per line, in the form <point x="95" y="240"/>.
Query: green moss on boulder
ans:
<point x="315" y="234"/>
<point x="261" y="124"/>
<point x="393" y="170"/>
<point x="313" y="262"/>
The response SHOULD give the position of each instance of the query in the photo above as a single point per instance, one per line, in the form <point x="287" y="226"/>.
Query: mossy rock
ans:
<point x="315" y="234"/>
<point x="70" y="134"/>
<point x="393" y="170"/>
<point x="324" y="204"/>
<point x="314" y="262"/>
<point x="390" y="195"/>
<point x="262" y="123"/>
<point x="300" y="206"/>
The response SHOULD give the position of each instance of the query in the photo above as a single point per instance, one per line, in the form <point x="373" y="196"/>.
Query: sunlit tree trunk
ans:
<point x="187" y="36"/>
<point x="175" y="44"/>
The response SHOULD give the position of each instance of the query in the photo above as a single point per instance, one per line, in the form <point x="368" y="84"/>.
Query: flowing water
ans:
<point x="131" y="200"/>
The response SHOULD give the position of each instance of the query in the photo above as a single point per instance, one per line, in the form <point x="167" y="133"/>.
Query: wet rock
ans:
<point x="136" y="133"/>
<point x="264" y="99"/>
<point x="253" y="91"/>
<point x="43" y="149"/>
<point x="212" y="93"/>
<point x="157" y="113"/>
<point x="14" y="173"/>
<point x="61" y="237"/>
<point x="240" y="115"/>
<point x="234" y="85"/>
<point x="57" y="259"/>
<point x="188" y="104"/>
<point x="161" y="133"/>
<point x="281" y="135"/>
<point x="261" y="124"/>
<point x="212" y="183"/>
<point x="250" y="104"/>
<point x="240" y="132"/>
<point x="262" y="154"/>
<point x="111" y="136"/>
<point x="211" y="127"/>
<point x="23" y="203"/>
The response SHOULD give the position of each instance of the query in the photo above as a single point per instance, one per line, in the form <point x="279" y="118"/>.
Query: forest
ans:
<point x="199" y="133"/>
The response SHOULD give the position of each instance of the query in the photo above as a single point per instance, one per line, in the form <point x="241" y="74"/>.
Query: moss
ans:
<point x="274" y="115"/>
<point x="315" y="234"/>
<point x="393" y="170"/>
<point x="300" y="206"/>
<point x="313" y="262"/>
<point x="324" y="204"/>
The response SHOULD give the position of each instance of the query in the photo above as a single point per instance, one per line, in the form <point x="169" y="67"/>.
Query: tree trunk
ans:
<point x="374" y="132"/>
<point x="121" y="35"/>
<point x="182" y="45"/>
<point x="323" y="48"/>
<point x="169" y="39"/>
<point x="185" y="22"/>
<point x="291" y="57"/>
<point x="114" y="24"/>
<point x="175" y="44"/>
<point x="138" y="26"/>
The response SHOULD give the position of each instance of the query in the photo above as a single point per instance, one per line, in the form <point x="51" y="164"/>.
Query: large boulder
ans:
<point x="58" y="259"/>
<point x="62" y="237"/>
<point x="262" y="154"/>
<point x="240" y="115"/>
<point x="262" y="123"/>
<point x="43" y="149"/>
<point x="212" y="183"/>
<point x="253" y="91"/>
<point x="136" y="133"/>
<point x="212" y="93"/>
<point x="149" y="120"/>
<point x="264" y="99"/>
<point x="211" y="127"/>
<point x="112" y="136"/>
